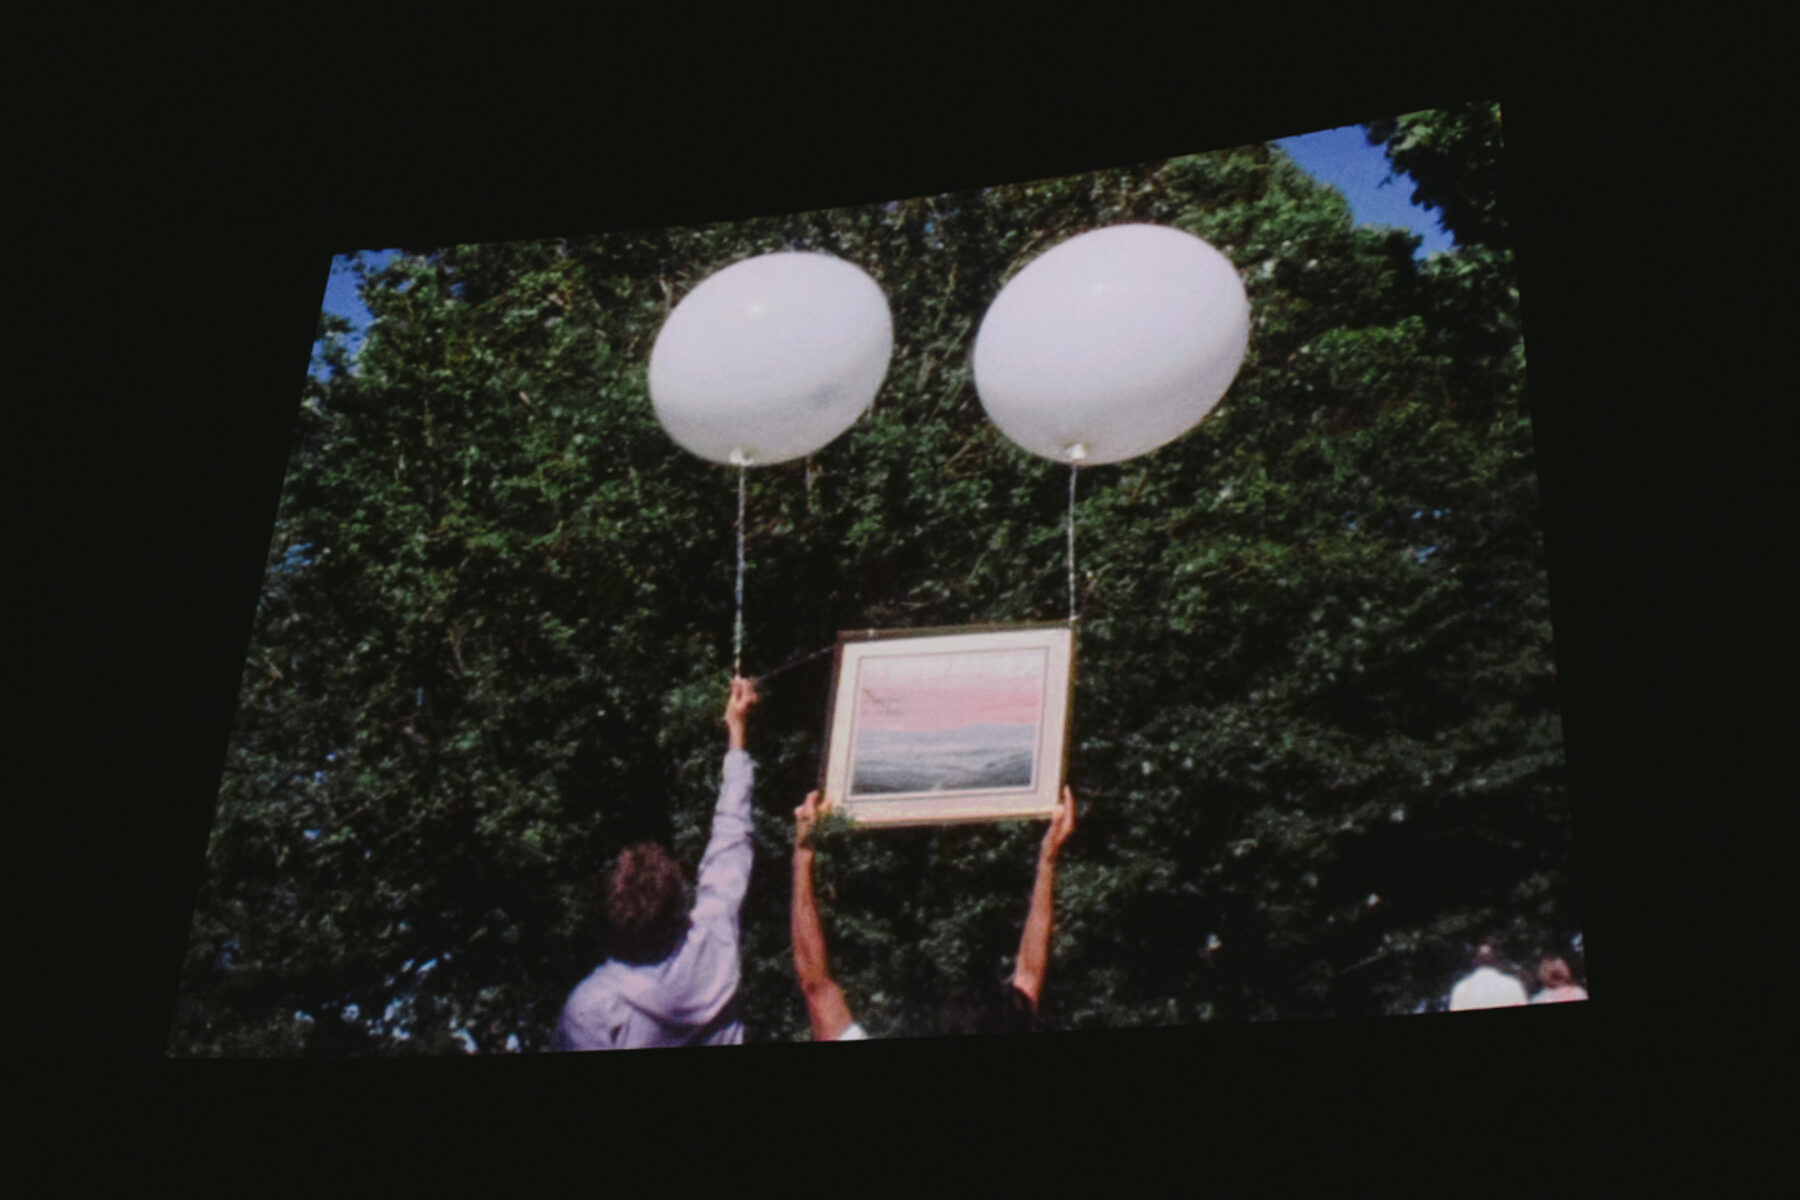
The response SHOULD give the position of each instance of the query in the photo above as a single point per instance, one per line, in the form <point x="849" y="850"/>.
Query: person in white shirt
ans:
<point x="1487" y="986"/>
<point x="1559" y="983"/>
<point x="673" y="976"/>
<point x="1014" y="1009"/>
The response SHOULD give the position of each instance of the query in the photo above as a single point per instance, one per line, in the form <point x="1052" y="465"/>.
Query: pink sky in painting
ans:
<point x="974" y="689"/>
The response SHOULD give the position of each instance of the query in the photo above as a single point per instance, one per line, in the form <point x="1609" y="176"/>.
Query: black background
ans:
<point x="186" y="187"/>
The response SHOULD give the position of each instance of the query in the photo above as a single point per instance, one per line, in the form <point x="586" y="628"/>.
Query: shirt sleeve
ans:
<point x="725" y="869"/>
<point x="693" y="988"/>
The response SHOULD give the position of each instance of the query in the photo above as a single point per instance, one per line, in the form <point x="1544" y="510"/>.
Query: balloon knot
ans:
<point x="1077" y="451"/>
<point x="741" y="458"/>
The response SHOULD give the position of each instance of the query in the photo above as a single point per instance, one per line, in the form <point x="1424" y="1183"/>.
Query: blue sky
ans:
<point x="341" y="297"/>
<point x="1341" y="157"/>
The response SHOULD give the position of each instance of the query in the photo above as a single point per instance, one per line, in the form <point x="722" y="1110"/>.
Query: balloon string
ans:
<point x="1073" y="468"/>
<point x="737" y="641"/>
<point x="801" y="661"/>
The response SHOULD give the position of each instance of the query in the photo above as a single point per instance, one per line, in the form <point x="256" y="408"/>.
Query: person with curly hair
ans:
<point x="672" y="977"/>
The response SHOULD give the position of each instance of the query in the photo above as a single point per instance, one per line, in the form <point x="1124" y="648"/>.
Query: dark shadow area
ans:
<point x="197" y="183"/>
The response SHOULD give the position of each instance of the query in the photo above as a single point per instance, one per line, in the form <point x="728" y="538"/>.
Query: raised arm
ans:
<point x="1034" y="946"/>
<point x="824" y="999"/>
<point x="725" y="868"/>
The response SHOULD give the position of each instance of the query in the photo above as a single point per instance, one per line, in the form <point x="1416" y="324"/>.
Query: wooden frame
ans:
<point x="932" y="726"/>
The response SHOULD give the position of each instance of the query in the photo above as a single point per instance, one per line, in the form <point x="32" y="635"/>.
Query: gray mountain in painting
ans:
<point x="964" y="758"/>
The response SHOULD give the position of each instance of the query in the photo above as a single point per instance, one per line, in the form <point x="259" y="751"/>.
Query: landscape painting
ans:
<point x="939" y="725"/>
<point x="948" y="722"/>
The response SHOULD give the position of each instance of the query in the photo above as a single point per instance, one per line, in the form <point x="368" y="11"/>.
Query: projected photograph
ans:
<point x="1244" y="429"/>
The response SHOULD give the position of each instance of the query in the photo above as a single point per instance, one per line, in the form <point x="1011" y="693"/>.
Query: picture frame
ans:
<point x="937" y="726"/>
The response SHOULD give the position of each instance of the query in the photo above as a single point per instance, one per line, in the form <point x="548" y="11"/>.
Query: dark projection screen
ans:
<point x="378" y="765"/>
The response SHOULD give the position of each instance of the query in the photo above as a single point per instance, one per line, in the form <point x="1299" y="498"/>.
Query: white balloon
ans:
<point x="1111" y="344"/>
<point x="771" y="358"/>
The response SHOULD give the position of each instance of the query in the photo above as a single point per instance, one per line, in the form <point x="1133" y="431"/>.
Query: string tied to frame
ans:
<point x="1077" y="453"/>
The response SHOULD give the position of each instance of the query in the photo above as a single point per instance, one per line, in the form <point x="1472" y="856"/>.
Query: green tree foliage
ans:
<point x="1315" y="730"/>
<point x="1455" y="159"/>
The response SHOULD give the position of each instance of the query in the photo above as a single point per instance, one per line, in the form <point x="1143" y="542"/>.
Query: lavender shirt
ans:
<point x="688" y="998"/>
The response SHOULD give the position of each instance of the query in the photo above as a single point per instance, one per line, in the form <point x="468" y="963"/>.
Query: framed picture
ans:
<point x="938" y="725"/>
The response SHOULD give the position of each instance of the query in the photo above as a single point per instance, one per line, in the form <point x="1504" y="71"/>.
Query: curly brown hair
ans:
<point x="645" y="903"/>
